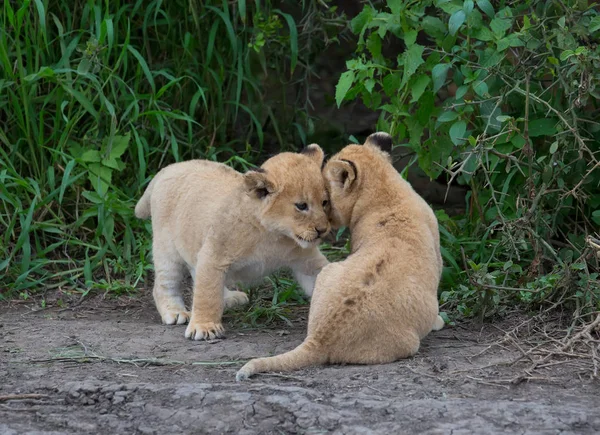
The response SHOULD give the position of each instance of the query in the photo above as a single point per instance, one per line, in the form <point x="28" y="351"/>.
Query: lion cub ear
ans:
<point x="314" y="152"/>
<point x="342" y="172"/>
<point x="257" y="183"/>
<point x="380" y="140"/>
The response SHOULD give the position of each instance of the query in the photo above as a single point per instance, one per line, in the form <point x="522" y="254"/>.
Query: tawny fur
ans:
<point x="377" y="305"/>
<point x="226" y="227"/>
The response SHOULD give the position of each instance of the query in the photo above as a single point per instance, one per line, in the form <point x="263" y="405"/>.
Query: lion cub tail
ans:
<point x="142" y="208"/>
<point x="307" y="354"/>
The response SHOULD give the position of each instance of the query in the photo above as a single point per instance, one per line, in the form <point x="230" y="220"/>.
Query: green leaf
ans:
<point x="510" y="41"/>
<point x="481" y="88"/>
<point x="108" y="27"/>
<point x="91" y="156"/>
<point x="144" y="66"/>
<point x="461" y="92"/>
<point x="566" y="54"/>
<point x="484" y="34"/>
<point x="554" y="147"/>
<point x="360" y="21"/>
<point x="391" y="84"/>
<point x="518" y="141"/>
<point x="447" y="116"/>
<point x="410" y="37"/>
<point x="449" y="6"/>
<point x="596" y="216"/>
<point x="594" y="24"/>
<point x="456" y="20"/>
<point x="293" y="38"/>
<point x="242" y="10"/>
<point x="395" y="6"/>
<point x="457" y="132"/>
<point x="44" y="72"/>
<point x="468" y="6"/>
<point x="486" y="7"/>
<point x="434" y="27"/>
<point x="413" y="58"/>
<point x="87" y="104"/>
<point x="343" y="86"/>
<point x="491" y="58"/>
<point x="42" y="17"/>
<point x="224" y="15"/>
<point x="112" y="163"/>
<point x="418" y="87"/>
<point x="119" y="145"/>
<point x="426" y="107"/>
<point x="374" y="45"/>
<point x="100" y="176"/>
<point x="542" y="127"/>
<point x="499" y="26"/>
<point x="84" y="66"/>
<point x="65" y="180"/>
<point x="439" y="74"/>
<point x="369" y="85"/>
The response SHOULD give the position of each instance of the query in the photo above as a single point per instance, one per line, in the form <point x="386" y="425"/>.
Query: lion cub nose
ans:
<point x="320" y="231"/>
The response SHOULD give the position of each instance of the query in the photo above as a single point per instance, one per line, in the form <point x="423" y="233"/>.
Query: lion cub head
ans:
<point x="346" y="172"/>
<point x="290" y="191"/>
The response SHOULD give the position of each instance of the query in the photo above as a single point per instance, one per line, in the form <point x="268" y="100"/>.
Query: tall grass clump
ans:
<point x="96" y="96"/>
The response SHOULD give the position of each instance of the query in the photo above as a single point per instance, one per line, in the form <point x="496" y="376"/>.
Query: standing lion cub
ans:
<point x="377" y="305"/>
<point x="226" y="227"/>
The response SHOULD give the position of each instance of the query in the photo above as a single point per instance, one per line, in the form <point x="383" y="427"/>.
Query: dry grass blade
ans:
<point x="8" y="397"/>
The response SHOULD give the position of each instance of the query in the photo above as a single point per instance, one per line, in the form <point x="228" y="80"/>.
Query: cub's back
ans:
<point x="195" y="189"/>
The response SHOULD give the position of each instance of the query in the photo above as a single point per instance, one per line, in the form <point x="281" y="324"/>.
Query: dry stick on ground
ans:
<point x="87" y="356"/>
<point x="8" y="397"/>
<point x="492" y="384"/>
<point x="138" y="362"/>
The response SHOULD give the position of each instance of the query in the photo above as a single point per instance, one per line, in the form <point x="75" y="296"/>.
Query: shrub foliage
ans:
<point x="501" y="97"/>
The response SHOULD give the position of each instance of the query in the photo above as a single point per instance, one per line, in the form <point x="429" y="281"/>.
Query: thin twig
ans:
<point x="8" y="397"/>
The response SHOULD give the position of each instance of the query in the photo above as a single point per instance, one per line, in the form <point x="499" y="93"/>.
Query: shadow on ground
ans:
<point x="111" y="367"/>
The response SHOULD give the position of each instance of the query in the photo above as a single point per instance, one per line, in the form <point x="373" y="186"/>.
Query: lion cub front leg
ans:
<point x="307" y="268"/>
<point x="208" y="303"/>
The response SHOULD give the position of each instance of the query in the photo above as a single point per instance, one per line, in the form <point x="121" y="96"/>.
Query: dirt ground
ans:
<point x="110" y="366"/>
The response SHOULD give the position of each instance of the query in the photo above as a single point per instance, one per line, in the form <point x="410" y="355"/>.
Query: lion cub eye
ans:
<point x="325" y="203"/>
<point x="302" y="206"/>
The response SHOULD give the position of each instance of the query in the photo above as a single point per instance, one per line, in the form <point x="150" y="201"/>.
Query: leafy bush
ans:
<point x="96" y="96"/>
<point x="502" y="98"/>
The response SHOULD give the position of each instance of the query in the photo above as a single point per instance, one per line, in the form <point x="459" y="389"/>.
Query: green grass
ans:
<point x="97" y="96"/>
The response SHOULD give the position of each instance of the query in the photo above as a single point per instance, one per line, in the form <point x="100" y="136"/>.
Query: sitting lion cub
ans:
<point x="227" y="227"/>
<point x="378" y="304"/>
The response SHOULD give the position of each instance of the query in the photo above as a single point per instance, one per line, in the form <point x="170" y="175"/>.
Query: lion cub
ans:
<point x="226" y="227"/>
<point x="375" y="306"/>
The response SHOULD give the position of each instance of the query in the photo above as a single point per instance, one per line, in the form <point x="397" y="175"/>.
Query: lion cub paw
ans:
<point x="204" y="330"/>
<point x="439" y="323"/>
<point x="235" y="299"/>
<point x="175" y="317"/>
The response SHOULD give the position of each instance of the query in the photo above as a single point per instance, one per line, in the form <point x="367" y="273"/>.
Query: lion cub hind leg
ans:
<point x="234" y="298"/>
<point x="167" y="289"/>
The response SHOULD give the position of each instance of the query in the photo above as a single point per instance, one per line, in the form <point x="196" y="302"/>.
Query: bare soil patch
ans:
<point x="109" y="366"/>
